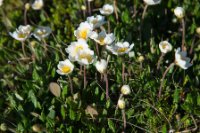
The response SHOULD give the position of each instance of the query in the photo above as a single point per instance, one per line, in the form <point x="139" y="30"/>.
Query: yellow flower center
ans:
<point x="21" y="35"/>
<point x="164" y="45"/>
<point x="122" y="50"/>
<point x="83" y="34"/>
<point x="41" y="32"/>
<point x="77" y="48"/>
<point x="86" y="56"/>
<point x="101" y="40"/>
<point x="65" y="69"/>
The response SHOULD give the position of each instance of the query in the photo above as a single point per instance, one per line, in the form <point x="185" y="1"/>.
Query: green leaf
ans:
<point x="111" y="125"/>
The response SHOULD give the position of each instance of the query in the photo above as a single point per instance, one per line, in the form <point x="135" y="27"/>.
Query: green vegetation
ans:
<point x="35" y="98"/>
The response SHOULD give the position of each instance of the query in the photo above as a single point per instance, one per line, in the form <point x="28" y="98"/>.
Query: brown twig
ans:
<point x="115" y="10"/>
<point x="71" y="84"/>
<point x="23" y="49"/>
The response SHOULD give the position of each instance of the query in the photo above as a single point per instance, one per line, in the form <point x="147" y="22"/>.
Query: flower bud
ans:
<point x="121" y="103"/>
<point x="27" y="6"/>
<point x="141" y="58"/>
<point x="125" y="90"/>
<point x="3" y="127"/>
<point x="83" y="7"/>
<point x="198" y="30"/>
<point x="101" y="66"/>
<point x="37" y="128"/>
<point x="179" y="12"/>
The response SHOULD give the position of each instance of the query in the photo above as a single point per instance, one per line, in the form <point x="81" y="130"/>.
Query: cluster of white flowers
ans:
<point x="24" y="32"/>
<point x="81" y="52"/>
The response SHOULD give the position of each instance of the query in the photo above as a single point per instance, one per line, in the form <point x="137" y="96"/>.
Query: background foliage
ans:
<point x="25" y="99"/>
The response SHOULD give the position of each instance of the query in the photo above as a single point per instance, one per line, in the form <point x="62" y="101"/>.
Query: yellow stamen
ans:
<point x="122" y="50"/>
<point x="21" y="35"/>
<point x="164" y="45"/>
<point x="86" y="56"/>
<point x="83" y="34"/>
<point x="65" y="69"/>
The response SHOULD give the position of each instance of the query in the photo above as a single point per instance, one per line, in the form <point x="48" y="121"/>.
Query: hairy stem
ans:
<point x="23" y="49"/>
<point x="124" y="119"/>
<point x="115" y="9"/>
<point x="142" y="20"/>
<point x="106" y="81"/>
<point x="163" y="77"/>
<point x="159" y="61"/>
<point x="84" y="73"/>
<point x="183" y="35"/>
<point x="71" y="85"/>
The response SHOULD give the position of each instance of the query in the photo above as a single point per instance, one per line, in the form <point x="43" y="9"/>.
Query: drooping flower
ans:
<point x="165" y="47"/>
<point x="22" y="33"/>
<point x="152" y="2"/>
<point x="120" y="48"/>
<point x="121" y="103"/>
<point x="102" y="38"/>
<point x="65" y="67"/>
<point x="101" y="66"/>
<point x="84" y="30"/>
<point x="179" y="12"/>
<point x="75" y="47"/>
<point x="42" y="32"/>
<point x="85" y="56"/>
<point x="97" y="21"/>
<point x="125" y="90"/>
<point x="107" y="9"/>
<point x="181" y="59"/>
<point x="37" y="4"/>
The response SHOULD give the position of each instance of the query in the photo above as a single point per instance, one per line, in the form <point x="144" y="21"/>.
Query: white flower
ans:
<point x="84" y="30"/>
<point x="75" y="47"/>
<point x="102" y="38"/>
<point x="22" y="33"/>
<point x="85" y="56"/>
<point x="165" y="47"/>
<point x="121" y="103"/>
<point x="120" y="48"/>
<point x="1" y="2"/>
<point x="37" y="4"/>
<point x="179" y="12"/>
<point x="97" y="21"/>
<point x="101" y="66"/>
<point x="181" y="59"/>
<point x="107" y="9"/>
<point x="65" y="67"/>
<point x="125" y="90"/>
<point x="41" y="32"/>
<point x="152" y="2"/>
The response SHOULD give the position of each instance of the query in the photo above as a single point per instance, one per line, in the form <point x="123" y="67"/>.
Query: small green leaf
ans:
<point x="111" y="125"/>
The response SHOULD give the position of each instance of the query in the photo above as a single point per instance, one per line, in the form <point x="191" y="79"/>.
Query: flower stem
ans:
<point x="89" y="8"/>
<point x="163" y="77"/>
<point x="123" y="71"/>
<point x="108" y="26"/>
<point x="159" y="61"/>
<point x="23" y="49"/>
<point x="115" y="9"/>
<point x="71" y="84"/>
<point x="124" y="119"/>
<point x="183" y="35"/>
<point x="25" y="16"/>
<point x="106" y="80"/>
<point x="85" y="80"/>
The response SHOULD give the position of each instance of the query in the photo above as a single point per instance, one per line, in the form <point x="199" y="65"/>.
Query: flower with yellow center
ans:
<point x="22" y="33"/>
<point x="65" y="67"/>
<point x="84" y="31"/>
<point x="107" y="9"/>
<point x="181" y="59"/>
<point x="165" y="47"/>
<point x="102" y="38"/>
<point x="120" y="48"/>
<point x="42" y="32"/>
<point x="37" y="4"/>
<point x="75" y="47"/>
<point x="85" y="56"/>
<point x="97" y="21"/>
